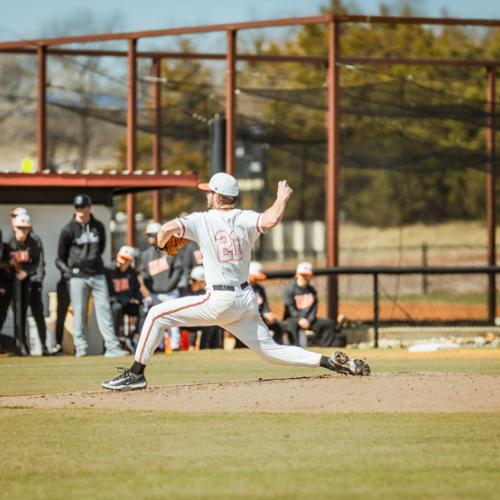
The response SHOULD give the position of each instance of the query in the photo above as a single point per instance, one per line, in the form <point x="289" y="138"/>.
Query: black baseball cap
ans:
<point x="82" y="201"/>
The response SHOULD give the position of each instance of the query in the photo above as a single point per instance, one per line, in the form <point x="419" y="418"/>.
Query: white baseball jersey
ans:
<point x="226" y="238"/>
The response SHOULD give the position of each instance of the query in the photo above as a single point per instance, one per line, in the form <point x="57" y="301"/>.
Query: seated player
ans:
<point x="124" y="288"/>
<point x="301" y="308"/>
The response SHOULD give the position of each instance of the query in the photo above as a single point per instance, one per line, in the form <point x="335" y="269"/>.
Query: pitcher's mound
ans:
<point x="381" y="392"/>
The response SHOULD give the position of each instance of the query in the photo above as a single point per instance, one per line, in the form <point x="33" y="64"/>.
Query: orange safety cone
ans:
<point x="168" y="344"/>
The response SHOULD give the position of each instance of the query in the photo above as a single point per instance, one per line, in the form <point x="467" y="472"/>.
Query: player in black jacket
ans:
<point x="301" y="309"/>
<point x="81" y="244"/>
<point x="26" y="250"/>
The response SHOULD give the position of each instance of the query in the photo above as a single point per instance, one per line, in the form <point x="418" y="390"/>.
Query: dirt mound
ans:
<point x="382" y="392"/>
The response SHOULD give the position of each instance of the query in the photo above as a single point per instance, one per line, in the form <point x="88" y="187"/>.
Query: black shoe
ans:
<point x="341" y="363"/>
<point x="126" y="381"/>
<point x="45" y="351"/>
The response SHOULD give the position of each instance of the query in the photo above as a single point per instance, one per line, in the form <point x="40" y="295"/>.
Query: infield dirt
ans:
<point x="381" y="392"/>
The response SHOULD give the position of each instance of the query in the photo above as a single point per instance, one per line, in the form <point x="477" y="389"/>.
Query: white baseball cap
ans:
<point x="222" y="183"/>
<point x="153" y="228"/>
<point x="22" y="220"/>
<point x="255" y="270"/>
<point x="197" y="273"/>
<point x="127" y="252"/>
<point x="18" y="211"/>
<point x="305" y="268"/>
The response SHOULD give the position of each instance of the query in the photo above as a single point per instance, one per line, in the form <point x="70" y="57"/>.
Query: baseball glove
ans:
<point x="173" y="245"/>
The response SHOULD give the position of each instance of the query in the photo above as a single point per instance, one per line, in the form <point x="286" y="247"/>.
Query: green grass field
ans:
<point x="96" y="453"/>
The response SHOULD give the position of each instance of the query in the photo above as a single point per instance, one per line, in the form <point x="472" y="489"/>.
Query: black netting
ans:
<point x="409" y="125"/>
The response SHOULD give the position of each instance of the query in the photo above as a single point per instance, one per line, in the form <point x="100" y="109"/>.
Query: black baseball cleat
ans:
<point x="126" y="381"/>
<point x="342" y="363"/>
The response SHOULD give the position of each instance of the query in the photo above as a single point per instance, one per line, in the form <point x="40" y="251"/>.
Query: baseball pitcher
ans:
<point x="225" y="236"/>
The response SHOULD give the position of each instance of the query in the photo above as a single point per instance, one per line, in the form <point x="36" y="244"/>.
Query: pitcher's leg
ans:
<point x="255" y="334"/>
<point x="192" y="311"/>
<point x="173" y="332"/>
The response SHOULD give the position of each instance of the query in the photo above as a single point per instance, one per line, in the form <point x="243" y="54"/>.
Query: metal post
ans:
<point x="490" y="191"/>
<point x="333" y="167"/>
<point x="376" y="319"/>
<point x="156" y="153"/>
<point x="41" y="117"/>
<point x="131" y="134"/>
<point x="425" y="282"/>
<point x="230" y="100"/>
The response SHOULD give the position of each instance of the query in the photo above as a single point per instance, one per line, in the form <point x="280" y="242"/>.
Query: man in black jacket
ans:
<point x="26" y="251"/>
<point x="81" y="244"/>
<point x="301" y="308"/>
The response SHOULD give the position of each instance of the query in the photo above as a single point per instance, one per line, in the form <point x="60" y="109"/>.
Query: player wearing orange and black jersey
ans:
<point x="301" y="309"/>
<point x="26" y="252"/>
<point x="124" y="288"/>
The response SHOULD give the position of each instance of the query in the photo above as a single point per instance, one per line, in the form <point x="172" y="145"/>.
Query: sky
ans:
<point x="35" y="18"/>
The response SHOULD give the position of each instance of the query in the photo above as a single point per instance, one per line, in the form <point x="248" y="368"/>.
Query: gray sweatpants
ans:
<point x="79" y="289"/>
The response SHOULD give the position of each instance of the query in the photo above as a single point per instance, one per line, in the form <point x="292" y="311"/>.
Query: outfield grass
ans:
<point x="96" y="453"/>
<point x="136" y="454"/>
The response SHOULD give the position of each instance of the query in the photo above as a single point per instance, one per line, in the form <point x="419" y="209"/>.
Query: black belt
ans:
<point x="229" y="288"/>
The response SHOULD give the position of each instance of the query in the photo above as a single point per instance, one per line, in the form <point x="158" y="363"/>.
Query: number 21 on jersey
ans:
<point x="228" y="247"/>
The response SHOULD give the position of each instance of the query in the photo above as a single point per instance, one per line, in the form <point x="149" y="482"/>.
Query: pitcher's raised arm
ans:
<point x="274" y="214"/>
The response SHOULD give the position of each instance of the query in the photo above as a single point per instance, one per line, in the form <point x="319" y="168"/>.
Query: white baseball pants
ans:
<point x="174" y="332"/>
<point x="237" y="312"/>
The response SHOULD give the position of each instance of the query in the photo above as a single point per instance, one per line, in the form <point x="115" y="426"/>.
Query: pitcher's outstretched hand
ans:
<point x="284" y="191"/>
